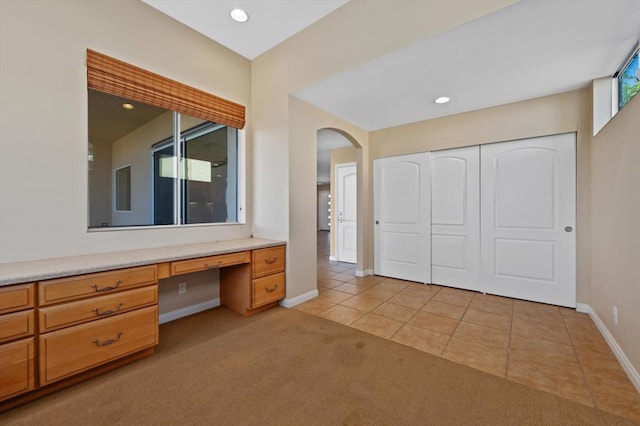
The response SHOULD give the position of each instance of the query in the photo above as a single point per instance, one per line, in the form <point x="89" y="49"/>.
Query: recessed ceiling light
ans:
<point x="127" y="106"/>
<point x="239" y="15"/>
<point x="442" y="100"/>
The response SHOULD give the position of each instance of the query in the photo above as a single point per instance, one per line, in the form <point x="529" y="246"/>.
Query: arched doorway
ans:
<point x="339" y="179"/>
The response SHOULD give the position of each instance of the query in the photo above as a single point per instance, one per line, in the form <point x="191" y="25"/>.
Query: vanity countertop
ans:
<point x="43" y="269"/>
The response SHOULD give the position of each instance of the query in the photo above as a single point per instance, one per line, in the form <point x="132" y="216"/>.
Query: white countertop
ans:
<point x="36" y="270"/>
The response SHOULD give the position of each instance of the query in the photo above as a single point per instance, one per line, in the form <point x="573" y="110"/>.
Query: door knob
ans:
<point x="568" y="229"/>
<point x="377" y="222"/>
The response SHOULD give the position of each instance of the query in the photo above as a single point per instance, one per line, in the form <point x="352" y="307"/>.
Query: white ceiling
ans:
<point x="270" y="21"/>
<point x="530" y="49"/>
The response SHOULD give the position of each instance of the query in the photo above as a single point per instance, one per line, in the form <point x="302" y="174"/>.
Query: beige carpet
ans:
<point x="287" y="367"/>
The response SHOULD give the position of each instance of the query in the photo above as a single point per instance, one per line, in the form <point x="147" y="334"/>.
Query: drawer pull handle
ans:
<point x="109" y="312"/>
<point x="271" y="290"/>
<point x="97" y="290"/>
<point x="271" y="261"/>
<point x="108" y="341"/>
<point x="218" y="263"/>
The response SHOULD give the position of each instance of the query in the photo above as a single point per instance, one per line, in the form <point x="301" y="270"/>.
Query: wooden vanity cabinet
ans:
<point x="251" y="290"/>
<point x="17" y="344"/>
<point x="89" y="320"/>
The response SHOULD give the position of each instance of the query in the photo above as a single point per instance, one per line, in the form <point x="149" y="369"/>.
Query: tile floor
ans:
<point x="547" y="347"/>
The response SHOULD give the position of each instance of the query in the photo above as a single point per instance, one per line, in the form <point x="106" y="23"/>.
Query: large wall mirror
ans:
<point x="152" y="166"/>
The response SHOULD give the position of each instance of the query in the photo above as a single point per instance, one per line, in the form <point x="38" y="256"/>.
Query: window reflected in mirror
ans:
<point x="134" y="151"/>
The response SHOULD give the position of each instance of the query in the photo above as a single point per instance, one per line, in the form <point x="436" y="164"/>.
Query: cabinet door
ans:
<point x="16" y="368"/>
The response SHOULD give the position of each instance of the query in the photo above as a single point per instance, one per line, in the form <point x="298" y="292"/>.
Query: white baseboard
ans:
<point x="189" y="310"/>
<point x="583" y="308"/>
<point x="611" y="341"/>
<point x="290" y="303"/>
<point x="364" y="273"/>
<point x="333" y="258"/>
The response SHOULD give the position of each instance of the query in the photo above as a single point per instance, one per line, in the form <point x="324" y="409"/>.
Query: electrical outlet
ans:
<point x="182" y="288"/>
<point x="615" y="314"/>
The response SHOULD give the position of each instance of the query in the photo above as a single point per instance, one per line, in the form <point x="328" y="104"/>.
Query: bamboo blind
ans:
<point x="119" y="78"/>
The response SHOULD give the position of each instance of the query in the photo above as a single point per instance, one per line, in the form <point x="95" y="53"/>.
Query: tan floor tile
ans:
<point x="396" y="312"/>
<point x="438" y="323"/>
<point x="488" y="336"/>
<point x="537" y="312"/>
<point x="377" y="325"/>
<point x="391" y="286"/>
<point x="526" y="306"/>
<point x="328" y="283"/>
<point x="368" y="280"/>
<point x="445" y="309"/>
<point x="341" y="276"/>
<point x="487" y="319"/>
<point x="421" y="339"/>
<point x="342" y="314"/>
<point x="493" y="298"/>
<point x="363" y="303"/>
<point x="615" y="396"/>
<point x="602" y="364"/>
<point x="333" y="296"/>
<point x="414" y="302"/>
<point x="419" y="290"/>
<point x="314" y="306"/>
<point x="541" y="330"/>
<point x="475" y="355"/>
<point x="454" y="297"/>
<point x="493" y="307"/>
<point x="569" y="312"/>
<point x="564" y="378"/>
<point x="375" y="292"/>
<point x="543" y="350"/>
<point x="350" y="288"/>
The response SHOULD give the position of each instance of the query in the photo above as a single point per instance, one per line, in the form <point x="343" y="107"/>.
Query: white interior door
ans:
<point x="402" y="217"/>
<point x="455" y="217"/>
<point x="528" y="219"/>
<point x="346" y="205"/>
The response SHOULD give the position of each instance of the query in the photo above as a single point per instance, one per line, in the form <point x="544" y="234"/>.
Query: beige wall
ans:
<point x="305" y="121"/>
<point x="43" y="111"/>
<point x="566" y="112"/>
<point x="615" y="228"/>
<point x="347" y="154"/>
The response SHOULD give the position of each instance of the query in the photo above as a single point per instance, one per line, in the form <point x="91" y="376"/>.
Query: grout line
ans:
<point x="575" y="352"/>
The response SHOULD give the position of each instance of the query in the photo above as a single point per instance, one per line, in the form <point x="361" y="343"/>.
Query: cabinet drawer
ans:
<point x="268" y="261"/>
<point x="16" y="368"/>
<point x="16" y="325"/>
<point x="268" y="289"/>
<point x="58" y="316"/>
<point x="72" y="350"/>
<point x="16" y="297"/>
<point x="82" y="286"/>
<point x="209" y="262"/>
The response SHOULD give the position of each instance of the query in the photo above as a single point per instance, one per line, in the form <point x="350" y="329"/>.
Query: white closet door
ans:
<point x="455" y="218"/>
<point x="528" y="219"/>
<point x="402" y="217"/>
<point x="346" y="206"/>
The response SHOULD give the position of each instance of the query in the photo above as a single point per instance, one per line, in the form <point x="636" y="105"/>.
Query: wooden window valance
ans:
<point x="119" y="78"/>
